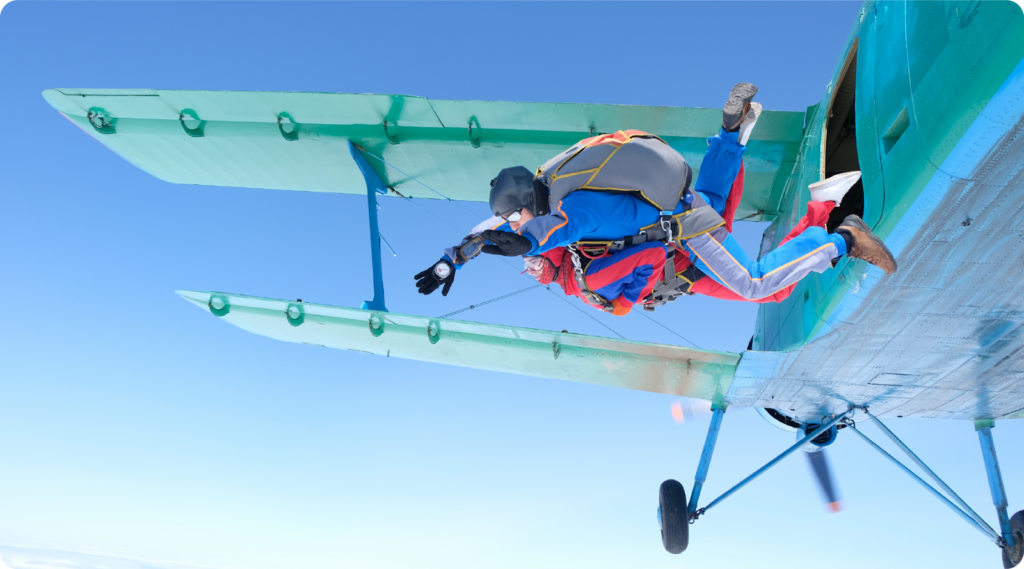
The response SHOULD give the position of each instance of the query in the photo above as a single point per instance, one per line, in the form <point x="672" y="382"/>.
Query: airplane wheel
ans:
<point x="675" y="524"/>
<point x="1012" y="557"/>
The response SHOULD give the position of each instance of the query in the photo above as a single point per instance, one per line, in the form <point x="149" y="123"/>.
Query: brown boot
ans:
<point x="866" y="245"/>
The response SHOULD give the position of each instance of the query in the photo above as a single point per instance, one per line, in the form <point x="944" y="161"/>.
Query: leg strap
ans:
<point x="674" y="285"/>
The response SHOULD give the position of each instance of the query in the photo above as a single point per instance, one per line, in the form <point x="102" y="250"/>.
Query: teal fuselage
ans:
<point x="934" y="125"/>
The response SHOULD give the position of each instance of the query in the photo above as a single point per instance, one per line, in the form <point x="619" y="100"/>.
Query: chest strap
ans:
<point x="697" y="218"/>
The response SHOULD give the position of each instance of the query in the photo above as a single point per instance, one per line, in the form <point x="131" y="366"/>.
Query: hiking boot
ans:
<point x="737" y="106"/>
<point x="748" y="123"/>
<point x="866" y="245"/>
<point x="834" y="188"/>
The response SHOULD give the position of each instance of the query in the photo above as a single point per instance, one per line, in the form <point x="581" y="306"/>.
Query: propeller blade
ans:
<point x="824" y="477"/>
<point x="689" y="408"/>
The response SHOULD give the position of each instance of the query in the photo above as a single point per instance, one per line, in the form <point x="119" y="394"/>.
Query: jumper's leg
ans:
<point x="705" y="457"/>
<point x="995" y="479"/>
<point x="374" y="186"/>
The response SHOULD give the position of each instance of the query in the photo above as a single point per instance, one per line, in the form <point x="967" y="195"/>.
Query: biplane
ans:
<point x="927" y="102"/>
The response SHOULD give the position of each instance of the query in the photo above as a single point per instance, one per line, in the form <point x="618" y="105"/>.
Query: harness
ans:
<point x="579" y="267"/>
<point x="672" y="230"/>
<point x="645" y="166"/>
<point x="672" y="286"/>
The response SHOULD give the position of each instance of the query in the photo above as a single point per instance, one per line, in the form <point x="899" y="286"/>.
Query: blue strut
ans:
<point x="920" y="463"/>
<point x="967" y="518"/>
<point x="374" y="186"/>
<point x="995" y="482"/>
<point x="705" y="458"/>
<point x="770" y="464"/>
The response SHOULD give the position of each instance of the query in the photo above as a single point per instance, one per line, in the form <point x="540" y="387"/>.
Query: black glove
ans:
<point x="441" y="272"/>
<point x="506" y="243"/>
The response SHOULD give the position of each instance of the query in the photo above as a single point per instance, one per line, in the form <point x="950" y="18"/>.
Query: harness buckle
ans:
<point x="666" y="225"/>
<point x="594" y="250"/>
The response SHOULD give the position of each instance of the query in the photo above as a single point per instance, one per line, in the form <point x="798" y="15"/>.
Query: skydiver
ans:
<point x="633" y="275"/>
<point x="556" y="209"/>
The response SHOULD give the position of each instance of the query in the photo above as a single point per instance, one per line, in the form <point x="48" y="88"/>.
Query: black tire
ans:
<point x="675" y="523"/>
<point x="1012" y="558"/>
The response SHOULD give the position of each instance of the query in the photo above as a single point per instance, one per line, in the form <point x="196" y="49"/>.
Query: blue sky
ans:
<point x="140" y="432"/>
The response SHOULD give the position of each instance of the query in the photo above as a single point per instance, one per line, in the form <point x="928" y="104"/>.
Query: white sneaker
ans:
<point x="833" y="189"/>
<point x="748" y="123"/>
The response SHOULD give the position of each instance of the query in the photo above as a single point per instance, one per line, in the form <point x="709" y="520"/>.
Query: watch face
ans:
<point x="442" y="270"/>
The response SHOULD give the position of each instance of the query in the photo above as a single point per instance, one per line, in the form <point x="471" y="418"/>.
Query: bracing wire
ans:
<point x="585" y="313"/>
<point x="414" y="179"/>
<point x="425" y="210"/>
<point x="450" y="226"/>
<point x="667" y="328"/>
<point x="472" y="306"/>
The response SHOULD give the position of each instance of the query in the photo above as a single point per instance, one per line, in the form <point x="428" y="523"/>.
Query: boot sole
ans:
<point x="858" y="223"/>
<point x="748" y="123"/>
<point x="738" y="104"/>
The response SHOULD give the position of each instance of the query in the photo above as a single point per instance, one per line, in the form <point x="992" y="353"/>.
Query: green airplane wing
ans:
<point x="298" y="141"/>
<point x="641" y="366"/>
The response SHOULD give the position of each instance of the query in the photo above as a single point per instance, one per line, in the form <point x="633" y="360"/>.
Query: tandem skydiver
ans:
<point x="611" y="192"/>
<point x="637" y="275"/>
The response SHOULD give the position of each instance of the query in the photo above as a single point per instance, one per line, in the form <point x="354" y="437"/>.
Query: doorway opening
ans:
<point x="840" y="139"/>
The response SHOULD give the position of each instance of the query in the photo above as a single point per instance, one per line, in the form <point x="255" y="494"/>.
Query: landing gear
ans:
<point x="1013" y="556"/>
<point x="675" y="524"/>
<point x="675" y="514"/>
<point x="1011" y="540"/>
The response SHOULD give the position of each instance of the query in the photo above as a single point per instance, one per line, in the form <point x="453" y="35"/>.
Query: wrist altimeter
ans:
<point x="442" y="270"/>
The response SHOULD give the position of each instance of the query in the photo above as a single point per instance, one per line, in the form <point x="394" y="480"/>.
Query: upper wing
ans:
<point x="540" y="353"/>
<point x="298" y="141"/>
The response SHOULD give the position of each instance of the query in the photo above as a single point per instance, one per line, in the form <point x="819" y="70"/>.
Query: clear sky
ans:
<point x="137" y="431"/>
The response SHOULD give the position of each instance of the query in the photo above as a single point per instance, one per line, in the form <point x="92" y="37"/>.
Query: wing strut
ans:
<point x="374" y="186"/>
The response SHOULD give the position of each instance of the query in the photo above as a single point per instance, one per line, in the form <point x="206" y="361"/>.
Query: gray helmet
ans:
<point x="514" y="188"/>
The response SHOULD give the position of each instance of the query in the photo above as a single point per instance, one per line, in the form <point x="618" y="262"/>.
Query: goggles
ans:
<point x="542" y="269"/>
<point x="514" y="216"/>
